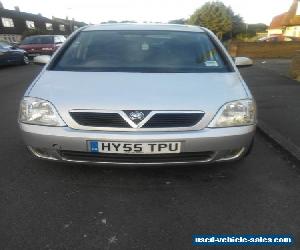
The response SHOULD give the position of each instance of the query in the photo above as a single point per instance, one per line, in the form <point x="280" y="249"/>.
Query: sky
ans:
<point x="96" y="11"/>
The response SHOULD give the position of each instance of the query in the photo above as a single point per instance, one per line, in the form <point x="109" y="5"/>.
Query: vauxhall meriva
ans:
<point x="139" y="94"/>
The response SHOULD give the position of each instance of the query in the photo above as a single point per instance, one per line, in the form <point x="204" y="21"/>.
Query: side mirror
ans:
<point x="14" y="45"/>
<point x="243" y="61"/>
<point x="44" y="59"/>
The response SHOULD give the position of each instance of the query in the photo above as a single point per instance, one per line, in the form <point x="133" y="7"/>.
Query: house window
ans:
<point x="62" y="27"/>
<point x="49" y="26"/>
<point x="30" y="24"/>
<point x="8" y="22"/>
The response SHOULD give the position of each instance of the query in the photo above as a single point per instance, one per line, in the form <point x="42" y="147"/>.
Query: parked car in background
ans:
<point x="42" y="45"/>
<point x="279" y="39"/>
<point x="10" y="54"/>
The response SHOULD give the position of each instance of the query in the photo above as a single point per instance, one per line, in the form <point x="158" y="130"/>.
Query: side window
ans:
<point x="49" y="26"/>
<point x="57" y="39"/>
<point x="30" y="25"/>
<point x="4" y="45"/>
<point x="62" y="27"/>
<point x="7" y="22"/>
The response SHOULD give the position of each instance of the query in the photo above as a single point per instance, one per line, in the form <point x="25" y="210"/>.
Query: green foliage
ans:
<point x="178" y="21"/>
<point x="113" y="21"/>
<point x="214" y="16"/>
<point x="110" y="21"/>
<point x="253" y="29"/>
<point x="252" y="32"/>
<point x="238" y="25"/>
<point x="128" y="21"/>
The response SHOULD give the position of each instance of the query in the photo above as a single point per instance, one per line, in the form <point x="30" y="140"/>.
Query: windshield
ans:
<point x="38" y="40"/>
<point x="141" y="51"/>
<point x="4" y="45"/>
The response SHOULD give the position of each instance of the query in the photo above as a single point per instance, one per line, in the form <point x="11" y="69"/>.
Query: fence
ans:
<point x="264" y="49"/>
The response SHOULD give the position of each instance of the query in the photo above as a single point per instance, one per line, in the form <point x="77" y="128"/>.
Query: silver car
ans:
<point x="136" y="94"/>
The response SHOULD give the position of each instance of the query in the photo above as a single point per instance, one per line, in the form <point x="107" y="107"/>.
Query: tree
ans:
<point x="214" y="16"/>
<point x="238" y="25"/>
<point x="110" y="21"/>
<point x="257" y="27"/>
<point x="178" y="21"/>
<point x="128" y="21"/>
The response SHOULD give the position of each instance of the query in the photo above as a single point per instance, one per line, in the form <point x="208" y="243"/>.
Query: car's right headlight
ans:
<point x="234" y="114"/>
<point x="39" y="112"/>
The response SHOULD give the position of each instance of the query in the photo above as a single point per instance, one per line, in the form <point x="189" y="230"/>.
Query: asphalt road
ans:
<point x="277" y="98"/>
<point x="47" y="205"/>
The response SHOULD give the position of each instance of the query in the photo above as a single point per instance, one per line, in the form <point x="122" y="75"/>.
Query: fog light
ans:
<point x="44" y="153"/>
<point x="231" y="154"/>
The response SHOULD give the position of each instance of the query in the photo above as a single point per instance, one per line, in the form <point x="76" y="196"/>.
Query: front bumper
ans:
<point x="32" y="54"/>
<point x="66" y="144"/>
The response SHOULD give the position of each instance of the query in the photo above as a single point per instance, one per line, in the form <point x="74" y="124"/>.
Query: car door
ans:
<point x="4" y="54"/>
<point x="14" y="55"/>
<point x="9" y="54"/>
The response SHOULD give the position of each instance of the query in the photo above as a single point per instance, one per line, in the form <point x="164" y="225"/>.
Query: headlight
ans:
<point x="237" y="113"/>
<point x="39" y="112"/>
<point x="47" y="48"/>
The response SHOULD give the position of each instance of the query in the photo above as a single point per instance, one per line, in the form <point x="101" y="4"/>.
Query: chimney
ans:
<point x="1" y="5"/>
<point x="17" y="8"/>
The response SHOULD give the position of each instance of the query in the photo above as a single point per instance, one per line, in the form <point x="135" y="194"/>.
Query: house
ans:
<point x="71" y="23"/>
<point x="288" y="23"/>
<point x="14" y="23"/>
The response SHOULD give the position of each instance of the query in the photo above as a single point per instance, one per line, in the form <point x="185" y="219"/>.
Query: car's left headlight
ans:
<point x="233" y="114"/>
<point x="39" y="112"/>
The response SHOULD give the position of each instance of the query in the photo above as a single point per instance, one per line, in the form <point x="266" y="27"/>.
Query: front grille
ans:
<point x="158" y="120"/>
<point x="135" y="159"/>
<point x="93" y="119"/>
<point x="171" y="120"/>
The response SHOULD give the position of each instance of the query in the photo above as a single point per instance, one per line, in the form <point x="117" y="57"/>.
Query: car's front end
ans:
<point x="137" y="116"/>
<point x="38" y="45"/>
<point x="34" y="50"/>
<point x="204" y="146"/>
<point x="12" y="55"/>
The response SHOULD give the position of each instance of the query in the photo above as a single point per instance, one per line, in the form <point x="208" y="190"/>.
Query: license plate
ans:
<point x="135" y="148"/>
<point x="33" y="55"/>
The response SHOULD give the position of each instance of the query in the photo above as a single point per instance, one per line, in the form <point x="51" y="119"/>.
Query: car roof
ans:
<point x="136" y="26"/>
<point x="44" y="35"/>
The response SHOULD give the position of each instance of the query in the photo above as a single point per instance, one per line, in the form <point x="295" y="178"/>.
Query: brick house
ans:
<point x="288" y="23"/>
<point x="13" y="23"/>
